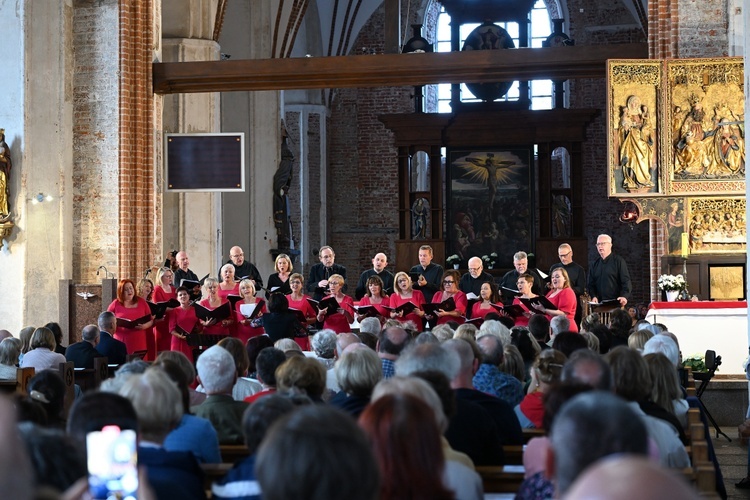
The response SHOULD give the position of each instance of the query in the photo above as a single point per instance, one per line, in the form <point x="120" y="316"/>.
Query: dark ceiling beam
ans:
<point x="391" y="70"/>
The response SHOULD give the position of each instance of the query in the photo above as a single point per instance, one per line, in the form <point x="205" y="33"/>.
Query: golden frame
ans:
<point x="726" y="282"/>
<point x="716" y="225"/>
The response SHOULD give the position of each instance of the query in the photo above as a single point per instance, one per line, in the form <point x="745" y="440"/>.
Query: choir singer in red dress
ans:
<point x="163" y="292"/>
<point x="339" y="320"/>
<point x="184" y="317"/>
<point x="450" y="289"/>
<point x="131" y="307"/>
<point x="404" y="292"/>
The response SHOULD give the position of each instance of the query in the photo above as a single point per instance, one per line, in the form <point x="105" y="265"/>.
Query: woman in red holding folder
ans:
<point x="163" y="292"/>
<point x="244" y="330"/>
<point x="524" y="284"/>
<point x="183" y="317"/>
<point x="213" y="300"/>
<point x="563" y="297"/>
<point x="489" y="296"/>
<point x="128" y="306"/>
<point x="404" y="293"/>
<point x="340" y="319"/>
<point x="376" y="297"/>
<point x="450" y="290"/>
<point x="298" y="300"/>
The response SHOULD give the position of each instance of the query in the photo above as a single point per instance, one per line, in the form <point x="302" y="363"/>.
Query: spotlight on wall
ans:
<point x="40" y="197"/>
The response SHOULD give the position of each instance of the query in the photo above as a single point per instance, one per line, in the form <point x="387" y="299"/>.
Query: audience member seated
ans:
<point x="302" y="375"/>
<point x="527" y="346"/>
<point x="57" y="332"/>
<point x="471" y="429"/>
<point x="317" y="452"/>
<point x="513" y="364"/>
<point x="500" y="411"/>
<point x="546" y="372"/>
<point x="496" y="328"/>
<point x="539" y="329"/>
<point x="123" y="373"/>
<point x="287" y="345"/>
<point x="343" y="340"/>
<point x="156" y="400"/>
<point x="217" y="374"/>
<point x="55" y="459"/>
<point x="25" y="336"/>
<point x="665" y="345"/>
<point x="443" y="332"/>
<point x="569" y="342"/>
<point x="324" y="347"/>
<point x="592" y="341"/>
<point x="188" y="369"/>
<point x="588" y="368"/>
<point x="637" y="340"/>
<point x="10" y="350"/>
<point x="48" y="389"/>
<point x="269" y="359"/>
<point x="192" y="434"/>
<point x="240" y="482"/>
<point x="589" y="427"/>
<point x="665" y="387"/>
<point x="83" y="353"/>
<point x="489" y="378"/>
<point x="115" y="350"/>
<point x="253" y="347"/>
<point x="633" y="383"/>
<point x="391" y="342"/>
<point x="421" y="470"/>
<point x="244" y="386"/>
<point x="358" y="371"/>
<point x="557" y="325"/>
<point x="625" y="477"/>
<point x="42" y="355"/>
<point x="619" y="326"/>
<point x="428" y="338"/>
<point x="466" y="331"/>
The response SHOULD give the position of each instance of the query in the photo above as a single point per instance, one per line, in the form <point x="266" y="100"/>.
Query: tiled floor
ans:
<point x="733" y="461"/>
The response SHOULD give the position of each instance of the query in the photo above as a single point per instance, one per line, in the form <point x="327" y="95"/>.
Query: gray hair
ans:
<point x="520" y="256"/>
<point x="107" y="321"/>
<point x="358" y="371"/>
<point x="443" y="332"/>
<point x="216" y="370"/>
<point x="157" y="402"/>
<point x="665" y="345"/>
<point x="559" y="324"/>
<point x="324" y="343"/>
<point x="496" y="329"/>
<point x="90" y="333"/>
<point x="591" y="426"/>
<point x="428" y="357"/>
<point x="10" y="349"/>
<point x="370" y="325"/>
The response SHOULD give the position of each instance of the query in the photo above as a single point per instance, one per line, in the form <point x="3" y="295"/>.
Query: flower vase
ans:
<point x="455" y="266"/>
<point x="672" y="295"/>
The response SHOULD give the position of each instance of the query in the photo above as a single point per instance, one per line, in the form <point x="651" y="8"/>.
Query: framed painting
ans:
<point x="490" y="203"/>
<point x="634" y="127"/>
<point x="704" y="142"/>
<point x="717" y="225"/>
<point x="726" y="282"/>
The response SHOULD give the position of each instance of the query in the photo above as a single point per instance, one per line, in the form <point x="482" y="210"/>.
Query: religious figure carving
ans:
<point x="419" y="211"/>
<point x="5" y="166"/>
<point x="636" y="139"/>
<point x="282" y="181"/>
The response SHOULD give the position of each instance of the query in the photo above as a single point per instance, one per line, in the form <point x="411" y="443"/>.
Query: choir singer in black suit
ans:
<point x="319" y="273"/>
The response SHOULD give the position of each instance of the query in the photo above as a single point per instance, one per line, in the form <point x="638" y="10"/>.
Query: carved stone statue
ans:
<point x="636" y="138"/>
<point x="282" y="181"/>
<point x="5" y="167"/>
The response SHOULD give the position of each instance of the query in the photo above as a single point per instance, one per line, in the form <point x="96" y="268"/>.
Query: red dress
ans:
<point x="135" y="340"/>
<point x="245" y="332"/>
<point x="223" y="293"/>
<point x="460" y="299"/>
<point x="187" y="319"/>
<point x="417" y="298"/>
<point x="566" y="301"/>
<point x="161" y="327"/>
<point x="337" y="321"/>
<point x="304" y="306"/>
<point x="381" y="307"/>
<point x="217" y="328"/>
<point x="521" y="320"/>
<point x="478" y="312"/>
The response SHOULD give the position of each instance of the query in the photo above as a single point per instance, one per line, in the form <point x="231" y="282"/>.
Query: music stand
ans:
<point x="712" y="364"/>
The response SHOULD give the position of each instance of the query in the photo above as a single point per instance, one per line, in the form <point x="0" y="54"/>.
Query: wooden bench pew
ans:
<point x="20" y="384"/>
<point x="505" y="479"/>
<point x="89" y="379"/>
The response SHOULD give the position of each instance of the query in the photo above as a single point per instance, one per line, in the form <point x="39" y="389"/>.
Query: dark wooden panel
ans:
<point x="383" y="70"/>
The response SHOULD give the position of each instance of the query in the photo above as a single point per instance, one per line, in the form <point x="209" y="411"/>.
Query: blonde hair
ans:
<point x="249" y="283"/>
<point x="285" y="257"/>
<point x="549" y="365"/>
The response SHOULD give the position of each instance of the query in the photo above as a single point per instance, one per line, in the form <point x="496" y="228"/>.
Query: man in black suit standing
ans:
<point x="319" y="273"/>
<point x="82" y="353"/>
<point x="115" y="350"/>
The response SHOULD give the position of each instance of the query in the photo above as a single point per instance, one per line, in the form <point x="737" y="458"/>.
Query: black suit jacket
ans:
<point x="82" y="354"/>
<point x="115" y="350"/>
<point x="500" y="411"/>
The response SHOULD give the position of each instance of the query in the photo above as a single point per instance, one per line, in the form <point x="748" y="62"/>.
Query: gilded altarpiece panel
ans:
<point x="704" y="143"/>
<point x="671" y="212"/>
<point x="717" y="225"/>
<point x="634" y="104"/>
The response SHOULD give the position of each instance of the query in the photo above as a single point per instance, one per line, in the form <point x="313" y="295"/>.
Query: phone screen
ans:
<point x="112" y="463"/>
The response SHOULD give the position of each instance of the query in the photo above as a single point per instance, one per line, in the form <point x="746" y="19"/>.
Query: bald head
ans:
<point x="492" y="350"/>
<point x="392" y="341"/>
<point x="624" y="477"/>
<point x="183" y="262"/>
<point x="344" y="340"/>
<point x="237" y="255"/>
<point x="90" y="334"/>
<point x="379" y="262"/>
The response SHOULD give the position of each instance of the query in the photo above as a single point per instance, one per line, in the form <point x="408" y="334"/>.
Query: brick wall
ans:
<point x="138" y="242"/>
<point x="95" y="137"/>
<point x="702" y="29"/>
